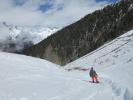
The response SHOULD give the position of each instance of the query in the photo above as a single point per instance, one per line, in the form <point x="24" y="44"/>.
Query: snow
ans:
<point x="28" y="78"/>
<point x="130" y="7"/>
<point x="113" y="61"/>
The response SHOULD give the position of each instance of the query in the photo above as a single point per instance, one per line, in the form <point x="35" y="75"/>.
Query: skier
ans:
<point x="93" y="75"/>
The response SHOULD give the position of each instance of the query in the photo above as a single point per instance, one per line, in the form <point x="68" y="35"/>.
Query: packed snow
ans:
<point x="114" y="63"/>
<point x="28" y="78"/>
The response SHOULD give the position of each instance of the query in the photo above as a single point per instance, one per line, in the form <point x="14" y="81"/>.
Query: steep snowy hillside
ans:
<point x="118" y="51"/>
<point x="27" y="78"/>
<point x="14" y="38"/>
<point x="114" y="63"/>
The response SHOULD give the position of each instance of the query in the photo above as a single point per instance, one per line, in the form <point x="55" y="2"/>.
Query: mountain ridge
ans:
<point x="85" y="35"/>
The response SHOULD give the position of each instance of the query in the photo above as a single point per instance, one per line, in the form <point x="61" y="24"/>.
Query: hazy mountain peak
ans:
<point x="18" y="36"/>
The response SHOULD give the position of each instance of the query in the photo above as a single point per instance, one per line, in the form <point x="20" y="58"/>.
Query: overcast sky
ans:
<point x="53" y="13"/>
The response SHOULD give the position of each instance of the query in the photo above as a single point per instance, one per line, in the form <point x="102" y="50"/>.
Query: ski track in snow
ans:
<point x="27" y="78"/>
<point x="111" y="55"/>
<point x="118" y="92"/>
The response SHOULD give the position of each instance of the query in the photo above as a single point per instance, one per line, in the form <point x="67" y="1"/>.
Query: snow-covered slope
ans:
<point x="27" y="78"/>
<point x="110" y="54"/>
<point x="114" y="63"/>
<point x="22" y="35"/>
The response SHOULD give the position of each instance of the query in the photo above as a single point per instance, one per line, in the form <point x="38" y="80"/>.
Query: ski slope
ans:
<point x="114" y="63"/>
<point x="28" y="78"/>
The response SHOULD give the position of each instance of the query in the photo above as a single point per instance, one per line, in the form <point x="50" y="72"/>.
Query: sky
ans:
<point x="51" y="13"/>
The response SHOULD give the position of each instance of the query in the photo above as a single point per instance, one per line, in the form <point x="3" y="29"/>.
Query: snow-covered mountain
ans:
<point x="14" y="38"/>
<point x="27" y="78"/>
<point x="114" y="64"/>
<point x="110" y="54"/>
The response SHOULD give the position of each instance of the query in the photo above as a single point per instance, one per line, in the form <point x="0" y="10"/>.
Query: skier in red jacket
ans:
<point x="93" y="75"/>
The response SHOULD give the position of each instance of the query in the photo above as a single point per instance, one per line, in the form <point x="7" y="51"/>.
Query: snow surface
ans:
<point x="114" y="64"/>
<point x="28" y="78"/>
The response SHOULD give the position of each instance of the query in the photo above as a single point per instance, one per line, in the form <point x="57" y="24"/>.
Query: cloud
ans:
<point x="57" y="13"/>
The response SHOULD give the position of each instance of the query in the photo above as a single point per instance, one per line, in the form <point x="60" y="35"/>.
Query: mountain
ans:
<point x="115" y="53"/>
<point x="16" y="38"/>
<point x="86" y="35"/>
<point x="28" y="78"/>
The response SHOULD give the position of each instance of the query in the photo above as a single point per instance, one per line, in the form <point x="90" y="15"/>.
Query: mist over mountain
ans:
<point x="16" y="38"/>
